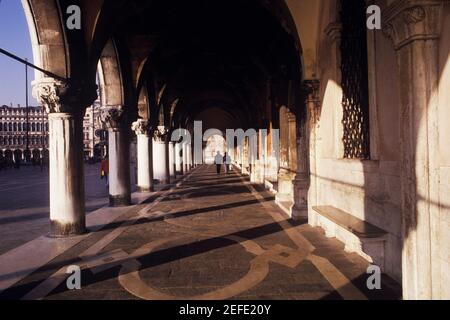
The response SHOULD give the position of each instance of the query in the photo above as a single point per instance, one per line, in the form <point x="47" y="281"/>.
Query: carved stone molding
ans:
<point x="112" y="117"/>
<point x="310" y="90"/>
<point x="59" y="97"/>
<point x="286" y="175"/>
<point x="410" y="20"/>
<point x="160" y="134"/>
<point x="334" y="31"/>
<point x="141" y="127"/>
<point x="291" y="117"/>
<point x="47" y="91"/>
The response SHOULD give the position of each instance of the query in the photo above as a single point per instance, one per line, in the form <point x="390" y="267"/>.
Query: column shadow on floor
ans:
<point x="151" y="260"/>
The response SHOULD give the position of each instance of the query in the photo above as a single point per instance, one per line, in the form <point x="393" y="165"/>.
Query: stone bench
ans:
<point x="358" y="236"/>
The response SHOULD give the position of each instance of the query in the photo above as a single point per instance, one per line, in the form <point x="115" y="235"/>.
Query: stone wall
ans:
<point x="369" y="190"/>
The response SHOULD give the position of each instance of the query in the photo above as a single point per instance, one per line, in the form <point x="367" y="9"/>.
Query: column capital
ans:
<point x="59" y="97"/>
<point x="310" y="89"/>
<point x="160" y="134"/>
<point x="291" y="117"/>
<point x="112" y="117"/>
<point x="141" y="127"/>
<point x="334" y="31"/>
<point x="410" y="20"/>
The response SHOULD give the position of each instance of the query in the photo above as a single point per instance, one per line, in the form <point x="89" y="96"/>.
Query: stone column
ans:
<point x="414" y="28"/>
<point x="172" y="165"/>
<point x="114" y="119"/>
<point x="144" y="155"/>
<point x="287" y="167"/>
<point x="185" y="158"/>
<point x="65" y="106"/>
<point x="160" y="155"/>
<point x="302" y="178"/>
<point x="273" y="155"/>
<point x="178" y="159"/>
<point x="187" y="168"/>
<point x="232" y="155"/>
<point x="189" y="156"/>
<point x="254" y="156"/>
<point x="245" y="157"/>
<point x="239" y="156"/>
<point x="262" y="156"/>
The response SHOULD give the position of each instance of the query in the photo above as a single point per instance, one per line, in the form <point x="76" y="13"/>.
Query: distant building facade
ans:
<point x="17" y="144"/>
<point x="94" y="136"/>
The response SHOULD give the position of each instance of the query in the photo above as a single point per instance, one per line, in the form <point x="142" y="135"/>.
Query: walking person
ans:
<point x="104" y="170"/>
<point x="218" y="161"/>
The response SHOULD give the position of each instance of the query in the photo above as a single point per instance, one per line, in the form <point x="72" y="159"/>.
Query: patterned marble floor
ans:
<point x="207" y="237"/>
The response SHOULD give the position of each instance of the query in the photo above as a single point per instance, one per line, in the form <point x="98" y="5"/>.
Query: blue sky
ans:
<point x="15" y="38"/>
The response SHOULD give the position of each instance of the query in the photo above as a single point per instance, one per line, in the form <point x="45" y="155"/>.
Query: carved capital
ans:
<point x="59" y="97"/>
<point x="410" y="20"/>
<point x="286" y="175"/>
<point x="48" y="91"/>
<point x="310" y="90"/>
<point x="291" y="117"/>
<point x="141" y="127"/>
<point x="112" y="117"/>
<point x="160" y="134"/>
<point x="334" y="31"/>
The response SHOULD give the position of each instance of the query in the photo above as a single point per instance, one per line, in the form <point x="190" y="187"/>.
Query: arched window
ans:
<point x="33" y="127"/>
<point x="20" y="141"/>
<point x="10" y="127"/>
<point x="354" y="74"/>
<point x="15" y="126"/>
<point x="39" y="127"/>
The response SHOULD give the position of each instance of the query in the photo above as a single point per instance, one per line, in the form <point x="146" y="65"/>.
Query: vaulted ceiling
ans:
<point x="208" y="54"/>
<point x="239" y="56"/>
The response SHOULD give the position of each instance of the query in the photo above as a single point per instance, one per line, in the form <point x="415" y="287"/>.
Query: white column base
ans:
<point x="119" y="169"/>
<point x="160" y="162"/>
<point x="144" y="163"/>
<point x="67" y="207"/>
